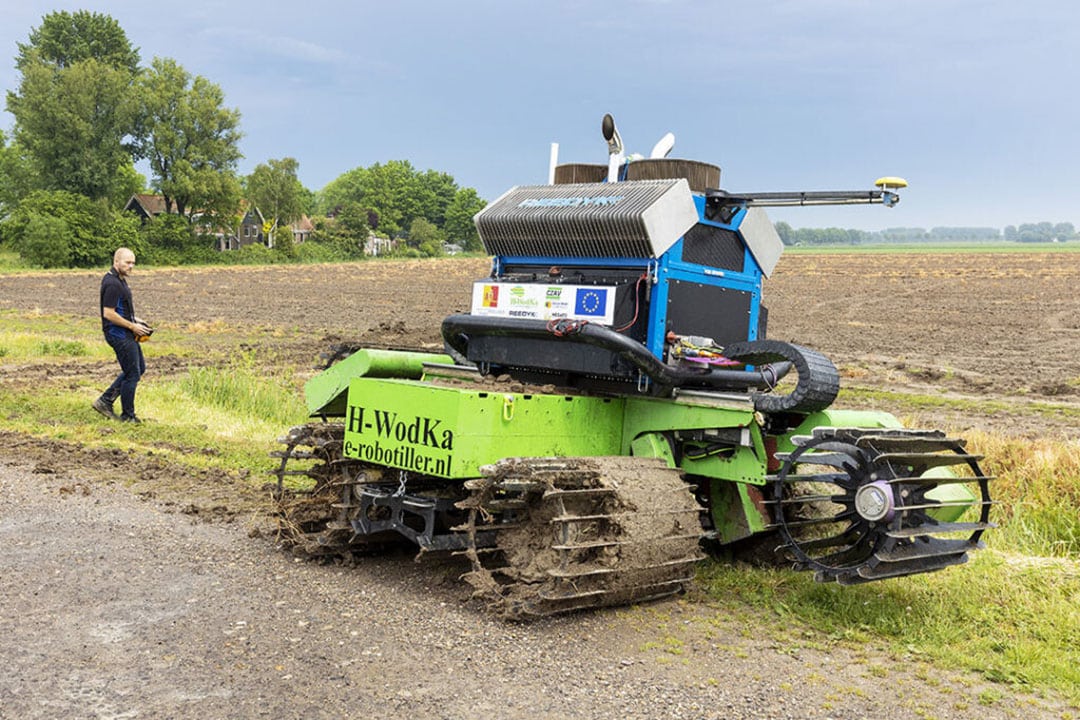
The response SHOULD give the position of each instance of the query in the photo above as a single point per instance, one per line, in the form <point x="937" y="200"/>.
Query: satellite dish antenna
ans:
<point x="611" y="134"/>
<point x="614" y="145"/>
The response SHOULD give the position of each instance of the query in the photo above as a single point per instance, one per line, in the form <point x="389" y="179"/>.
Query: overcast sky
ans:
<point x="976" y="104"/>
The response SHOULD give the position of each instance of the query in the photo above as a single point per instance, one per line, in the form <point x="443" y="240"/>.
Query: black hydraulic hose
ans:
<point x="456" y="330"/>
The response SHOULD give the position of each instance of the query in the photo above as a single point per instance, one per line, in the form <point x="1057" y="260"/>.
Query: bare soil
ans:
<point x="988" y="326"/>
<point x="999" y="332"/>
<point x="140" y="594"/>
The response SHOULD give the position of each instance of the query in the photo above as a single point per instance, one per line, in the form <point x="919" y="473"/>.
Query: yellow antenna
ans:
<point x="890" y="182"/>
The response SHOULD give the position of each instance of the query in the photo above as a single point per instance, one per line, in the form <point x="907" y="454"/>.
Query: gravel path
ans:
<point x="115" y="608"/>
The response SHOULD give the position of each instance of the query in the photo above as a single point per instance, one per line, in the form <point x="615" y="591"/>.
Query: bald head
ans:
<point x="123" y="261"/>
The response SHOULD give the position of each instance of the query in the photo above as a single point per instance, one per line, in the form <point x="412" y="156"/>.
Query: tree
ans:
<point x="390" y="190"/>
<point x="128" y="182"/>
<point x="46" y="242"/>
<point x="190" y="140"/>
<point x="353" y="219"/>
<point x="89" y="224"/>
<point x="73" y="108"/>
<point x="72" y="124"/>
<point x="64" y="39"/>
<point x="433" y="191"/>
<point x="425" y="237"/>
<point x="16" y="177"/>
<point x="347" y="187"/>
<point x="308" y="201"/>
<point x="1064" y="231"/>
<point x="173" y="240"/>
<point x="395" y="195"/>
<point x="459" y="225"/>
<point x="336" y="238"/>
<point x="787" y="235"/>
<point x="274" y="189"/>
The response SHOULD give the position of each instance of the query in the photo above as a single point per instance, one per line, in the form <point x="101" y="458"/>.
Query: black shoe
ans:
<point x="130" y="419"/>
<point x="105" y="409"/>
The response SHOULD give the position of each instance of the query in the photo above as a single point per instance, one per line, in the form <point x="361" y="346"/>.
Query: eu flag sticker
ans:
<point x="590" y="302"/>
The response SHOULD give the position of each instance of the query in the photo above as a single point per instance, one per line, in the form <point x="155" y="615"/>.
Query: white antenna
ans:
<point x="663" y="146"/>
<point x="552" y="162"/>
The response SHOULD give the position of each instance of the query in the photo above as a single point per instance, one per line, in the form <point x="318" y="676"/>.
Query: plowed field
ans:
<point x="996" y="333"/>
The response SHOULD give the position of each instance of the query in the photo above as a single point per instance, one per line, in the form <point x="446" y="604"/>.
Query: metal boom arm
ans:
<point x="821" y="197"/>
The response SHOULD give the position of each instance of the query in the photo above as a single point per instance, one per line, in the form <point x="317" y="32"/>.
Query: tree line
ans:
<point x="87" y="111"/>
<point x="1030" y="232"/>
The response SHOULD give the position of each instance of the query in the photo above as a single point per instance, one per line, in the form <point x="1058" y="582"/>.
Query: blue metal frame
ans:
<point x="667" y="268"/>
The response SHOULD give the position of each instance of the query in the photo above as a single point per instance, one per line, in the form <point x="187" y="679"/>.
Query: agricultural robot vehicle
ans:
<point x="611" y="408"/>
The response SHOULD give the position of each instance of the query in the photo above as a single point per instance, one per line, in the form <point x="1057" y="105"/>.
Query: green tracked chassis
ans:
<point x="567" y="502"/>
<point x="543" y="535"/>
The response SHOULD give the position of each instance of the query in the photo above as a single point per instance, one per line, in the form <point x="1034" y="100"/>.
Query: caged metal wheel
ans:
<point x="878" y="503"/>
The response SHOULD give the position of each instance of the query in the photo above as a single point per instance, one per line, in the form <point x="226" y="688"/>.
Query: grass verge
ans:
<point x="1012" y="614"/>
<point x="886" y="398"/>
<point x="1011" y="619"/>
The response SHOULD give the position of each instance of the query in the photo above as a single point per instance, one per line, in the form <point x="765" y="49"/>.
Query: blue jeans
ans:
<point x="132" y="366"/>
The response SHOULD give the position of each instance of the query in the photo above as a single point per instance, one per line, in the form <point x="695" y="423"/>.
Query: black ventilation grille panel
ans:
<point x="714" y="247"/>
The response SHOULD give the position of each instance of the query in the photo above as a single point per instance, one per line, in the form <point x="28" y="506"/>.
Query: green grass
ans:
<point x="9" y="260"/>
<point x="931" y="248"/>
<point x="239" y="391"/>
<point x="1037" y="494"/>
<point x="1012" y="614"/>
<point x="179" y="426"/>
<point x="55" y="337"/>
<point x="1011" y="619"/>
<point x="226" y="416"/>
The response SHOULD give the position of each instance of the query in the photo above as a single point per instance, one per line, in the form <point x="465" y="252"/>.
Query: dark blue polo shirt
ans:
<point x="116" y="294"/>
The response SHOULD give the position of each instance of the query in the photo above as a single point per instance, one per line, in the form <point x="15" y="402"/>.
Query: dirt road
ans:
<point x="118" y="607"/>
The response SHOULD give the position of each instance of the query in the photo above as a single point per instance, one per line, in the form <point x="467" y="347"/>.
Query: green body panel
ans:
<point x="742" y="463"/>
<point x="653" y="445"/>
<point x="325" y="393"/>
<point x="452" y="432"/>
<point x="738" y="511"/>
<point x="837" y="418"/>
<point x="394" y="417"/>
<point x="949" y="494"/>
<point x="738" y="508"/>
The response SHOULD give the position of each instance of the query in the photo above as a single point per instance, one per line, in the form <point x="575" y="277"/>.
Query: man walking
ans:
<point x="122" y="330"/>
